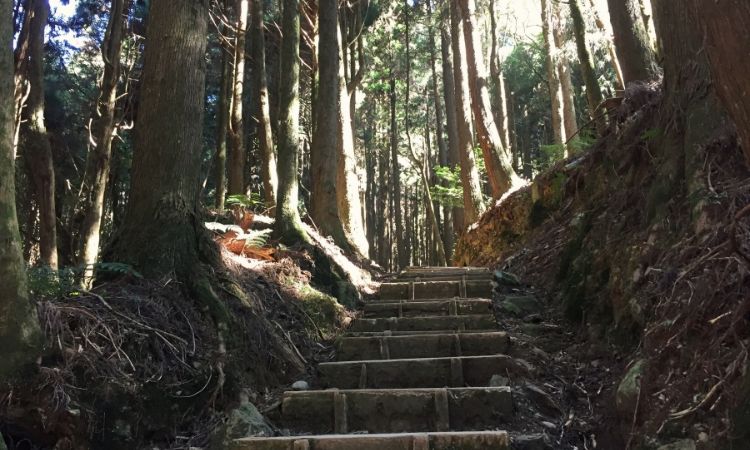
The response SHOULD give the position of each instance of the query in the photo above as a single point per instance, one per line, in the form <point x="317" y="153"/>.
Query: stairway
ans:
<point x="412" y="373"/>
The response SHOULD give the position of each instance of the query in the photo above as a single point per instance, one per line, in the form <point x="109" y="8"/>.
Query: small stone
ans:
<point x="702" y="436"/>
<point x="549" y="425"/>
<point x="683" y="444"/>
<point x="629" y="388"/>
<point x="542" y="400"/>
<point x="532" y="442"/>
<point x="301" y="385"/>
<point x="499" y="381"/>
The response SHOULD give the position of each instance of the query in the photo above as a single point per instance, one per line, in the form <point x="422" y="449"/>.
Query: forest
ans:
<point x="198" y="198"/>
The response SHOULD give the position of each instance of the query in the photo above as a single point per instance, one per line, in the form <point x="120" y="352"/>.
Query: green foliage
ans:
<point x="251" y="201"/>
<point x="447" y="190"/>
<point x="46" y="283"/>
<point x="651" y="134"/>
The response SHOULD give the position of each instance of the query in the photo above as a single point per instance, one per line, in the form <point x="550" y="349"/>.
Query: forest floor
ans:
<point x="649" y="280"/>
<point x="134" y="364"/>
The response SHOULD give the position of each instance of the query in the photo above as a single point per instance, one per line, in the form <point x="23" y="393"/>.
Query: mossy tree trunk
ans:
<point x="162" y="234"/>
<point x="401" y="256"/>
<point x="497" y="160"/>
<point x="20" y="335"/>
<point x="634" y="51"/>
<point x="472" y="190"/>
<point x="288" y="225"/>
<point x="96" y="175"/>
<point x="35" y="141"/>
<point x="268" y="173"/>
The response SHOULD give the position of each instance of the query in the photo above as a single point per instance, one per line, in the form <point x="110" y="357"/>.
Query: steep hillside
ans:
<point x="642" y="243"/>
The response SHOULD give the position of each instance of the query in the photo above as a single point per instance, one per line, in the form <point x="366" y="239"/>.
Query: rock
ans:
<point x="243" y="421"/>
<point x="532" y="442"/>
<point x="521" y="305"/>
<point x="546" y="404"/>
<point x="549" y="425"/>
<point x="629" y="389"/>
<point x="499" y="381"/>
<point x="301" y="385"/>
<point x="683" y="444"/>
<point x="506" y="279"/>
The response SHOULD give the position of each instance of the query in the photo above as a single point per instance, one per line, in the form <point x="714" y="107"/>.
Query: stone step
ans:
<point x="473" y="440"/>
<point x="396" y="410"/>
<point x="456" y="323"/>
<point x="422" y="346"/>
<point x="419" y="372"/>
<point x="401" y="290"/>
<point x="451" y="307"/>
<point x="424" y="272"/>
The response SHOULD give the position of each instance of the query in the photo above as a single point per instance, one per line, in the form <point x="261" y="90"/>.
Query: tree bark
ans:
<point x="162" y="233"/>
<point x="472" y="190"/>
<point x="499" y="107"/>
<point x="222" y="126"/>
<point x="237" y="123"/>
<point x="449" y="96"/>
<point x="500" y="172"/>
<point x="37" y="149"/>
<point x="288" y="225"/>
<point x="20" y="335"/>
<point x="725" y="29"/>
<point x="102" y="131"/>
<point x="401" y="255"/>
<point x="553" y="78"/>
<point x="610" y="47"/>
<point x="443" y="160"/>
<point x="636" y="57"/>
<point x="324" y="155"/>
<point x="563" y="69"/>
<point x="593" y="90"/>
<point x="268" y="172"/>
<point x="347" y="180"/>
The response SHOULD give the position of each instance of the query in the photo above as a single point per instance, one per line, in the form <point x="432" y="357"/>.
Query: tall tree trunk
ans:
<point x="37" y="149"/>
<point x="472" y="191"/>
<point x="593" y="90"/>
<point x="102" y="131"/>
<point x="419" y="162"/>
<point x="449" y="96"/>
<point x="347" y="180"/>
<point x="725" y="30"/>
<point x="268" y="173"/>
<point x="325" y="152"/>
<point x="237" y="154"/>
<point x="20" y="335"/>
<point x="222" y="126"/>
<point x="499" y="107"/>
<point x="162" y="233"/>
<point x="443" y="160"/>
<point x="496" y="157"/>
<point x="636" y="57"/>
<point x="383" y="196"/>
<point x="288" y="225"/>
<point x="401" y="254"/>
<point x="553" y="78"/>
<point x="605" y="29"/>
<point x="563" y="70"/>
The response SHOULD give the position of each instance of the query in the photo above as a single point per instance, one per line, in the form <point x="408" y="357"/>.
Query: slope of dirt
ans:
<point x="649" y="267"/>
<point x="134" y="364"/>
